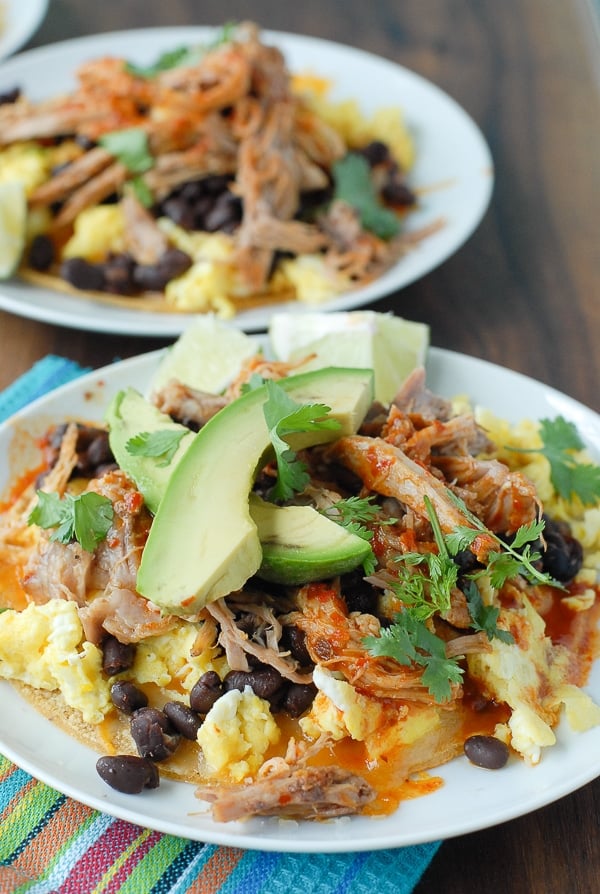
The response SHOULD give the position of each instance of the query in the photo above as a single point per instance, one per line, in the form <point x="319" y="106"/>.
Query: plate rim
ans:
<point x="394" y="834"/>
<point x="85" y="313"/>
<point x="14" y="36"/>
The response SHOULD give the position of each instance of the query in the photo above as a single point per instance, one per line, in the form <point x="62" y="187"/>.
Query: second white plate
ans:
<point x="453" y="173"/>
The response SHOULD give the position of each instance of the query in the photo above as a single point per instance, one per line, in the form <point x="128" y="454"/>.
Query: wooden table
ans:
<point x="523" y="292"/>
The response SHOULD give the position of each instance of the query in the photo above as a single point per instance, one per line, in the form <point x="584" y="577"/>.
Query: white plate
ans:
<point x="470" y="798"/>
<point x="454" y="165"/>
<point x="21" y="19"/>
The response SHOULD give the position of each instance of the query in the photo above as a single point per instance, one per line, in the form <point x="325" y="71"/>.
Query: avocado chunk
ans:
<point x="203" y="543"/>
<point x="299" y="545"/>
<point x="129" y="415"/>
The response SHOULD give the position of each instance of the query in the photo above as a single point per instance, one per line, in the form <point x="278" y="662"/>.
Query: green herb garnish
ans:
<point x="409" y="641"/>
<point x="181" y="56"/>
<point x="142" y="192"/>
<point x="484" y="617"/>
<point x="353" y="512"/>
<point x="570" y="478"/>
<point x="353" y="184"/>
<point x="86" y="518"/>
<point x="130" y="147"/>
<point x="285" y="417"/>
<point x="170" y="59"/>
<point x="510" y="559"/>
<point x="161" y="444"/>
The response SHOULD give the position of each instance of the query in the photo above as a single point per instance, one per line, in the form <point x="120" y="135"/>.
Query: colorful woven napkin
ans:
<point x="51" y="844"/>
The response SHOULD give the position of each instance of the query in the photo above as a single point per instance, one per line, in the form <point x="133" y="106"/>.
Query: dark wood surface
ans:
<point x="524" y="291"/>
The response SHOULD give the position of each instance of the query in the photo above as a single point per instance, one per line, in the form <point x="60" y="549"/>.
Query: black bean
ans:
<point x="293" y="640"/>
<point x="376" y="153"/>
<point x="466" y="561"/>
<point x="215" y="184"/>
<point x="118" y="274"/>
<point x="99" y="452"/>
<point x="84" y="142"/>
<point x="264" y="681"/>
<point x="359" y="595"/>
<point x="9" y="96"/>
<point x="396" y="192"/>
<point x="41" y="252"/>
<point x="149" y="277"/>
<point x="127" y="697"/>
<point x="82" y="275"/>
<point x="180" y="211"/>
<point x="205" y="692"/>
<point x="174" y="262"/>
<point x="153" y="734"/>
<point x="486" y="751"/>
<point x="563" y="556"/>
<point x="116" y="656"/>
<point x="154" y="277"/>
<point x="185" y="721"/>
<point x="225" y="214"/>
<point x="298" y="698"/>
<point x="127" y="773"/>
<point x="190" y="191"/>
<point x="202" y="206"/>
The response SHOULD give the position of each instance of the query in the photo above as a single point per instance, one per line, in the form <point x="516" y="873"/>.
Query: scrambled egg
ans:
<point x="339" y="710"/>
<point x="386" y="124"/>
<point x="311" y="279"/>
<point x="167" y="660"/>
<point x="236" y="734"/>
<point x="529" y="676"/>
<point x="97" y="231"/>
<point x="25" y="162"/>
<point x="44" y="647"/>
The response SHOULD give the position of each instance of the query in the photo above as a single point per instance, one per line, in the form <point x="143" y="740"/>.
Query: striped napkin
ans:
<point x="51" y="844"/>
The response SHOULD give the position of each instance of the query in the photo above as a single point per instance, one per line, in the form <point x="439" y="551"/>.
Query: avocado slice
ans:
<point x="203" y="543"/>
<point x="130" y="414"/>
<point x="300" y="545"/>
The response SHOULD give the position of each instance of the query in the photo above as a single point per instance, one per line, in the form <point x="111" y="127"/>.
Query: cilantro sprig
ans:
<point x="86" y="518"/>
<point x="181" y="56"/>
<point x="409" y="641"/>
<point x="484" y="617"/>
<point x="354" y="513"/>
<point x="517" y="558"/>
<point x="130" y="147"/>
<point x="353" y="184"/>
<point x="570" y="477"/>
<point x="161" y="445"/>
<point x="284" y="416"/>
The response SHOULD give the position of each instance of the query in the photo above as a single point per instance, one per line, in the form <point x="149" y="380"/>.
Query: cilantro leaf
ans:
<point x="507" y="561"/>
<point x="284" y="416"/>
<point x="86" y="518"/>
<point x="170" y="59"/>
<point x="93" y="516"/>
<point x="255" y="381"/>
<point x="570" y="477"/>
<point x="161" y="444"/>
<point x="353" y="184"/>
<point x="485" y="617"/>
<point x="352" y="512"/>
<point x="130" y="147"/>
<point x="142" y="192"/>
<point x="408" y="641"/>
<point x="181" y="56"/>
